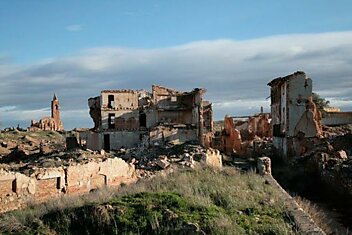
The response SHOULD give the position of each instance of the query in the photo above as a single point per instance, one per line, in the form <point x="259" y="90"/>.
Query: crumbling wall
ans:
<point x="208" y="116"/>
<point x="298" y="93"/>
<point x="49" y="183"/>
<point x="94" y="140"/>
<point x="126" y="139"/>
<point x="151" y="117"/>
<point x="258" y="125"/>
<point x="94" y="111"/>
<point x="162" y="95"/>
<point x="175" y="116"/>
<point x="295" y="117"/>
<point x="117" y="139"/>
<point x="127" y="121"/>
<point x="231" y="137"/>
<point x="17" y="189"/>
<point x="173" y="106"/>
<point x="93" y="175"/>
<point x="212" y="158"/>
<point x="122" y="99"/>
<point x="119" y="109"/>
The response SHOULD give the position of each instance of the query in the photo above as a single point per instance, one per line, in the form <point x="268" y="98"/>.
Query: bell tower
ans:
<point x="55" y="109"/>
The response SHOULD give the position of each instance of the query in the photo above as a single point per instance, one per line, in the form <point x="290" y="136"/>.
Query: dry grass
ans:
<point x="244" y="204"/>
<point x="321" y="217"/>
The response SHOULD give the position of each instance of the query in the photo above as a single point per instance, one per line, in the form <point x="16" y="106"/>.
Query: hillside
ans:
<point x="201" y="201"/>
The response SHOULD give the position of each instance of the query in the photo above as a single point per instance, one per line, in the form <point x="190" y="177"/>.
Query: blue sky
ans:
<point x="76" y="48"/>
<point x="33" y="30"/>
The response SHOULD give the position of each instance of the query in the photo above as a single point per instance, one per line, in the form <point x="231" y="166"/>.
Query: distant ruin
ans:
<point x="127" y="118"/>
<point x="52" y="123"/>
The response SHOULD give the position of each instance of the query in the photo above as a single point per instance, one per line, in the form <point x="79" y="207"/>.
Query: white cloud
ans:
<point x="235" y="73"/>
<point x="74" y="27"/>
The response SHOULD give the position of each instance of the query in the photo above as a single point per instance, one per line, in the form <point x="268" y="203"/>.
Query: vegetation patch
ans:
<point x="203" y="201"/>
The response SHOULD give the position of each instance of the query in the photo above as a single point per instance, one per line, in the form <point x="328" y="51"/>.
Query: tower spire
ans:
<point x="55" y="97"/>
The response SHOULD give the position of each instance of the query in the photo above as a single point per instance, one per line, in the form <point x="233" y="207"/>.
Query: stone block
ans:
<point x="342" y="155"/>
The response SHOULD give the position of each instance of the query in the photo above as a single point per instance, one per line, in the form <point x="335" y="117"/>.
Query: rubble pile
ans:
<point x="17" y="145"/>
<point x="26" y="151"/>
<point x="332" y="159"/>
<point x="154" y="158"/>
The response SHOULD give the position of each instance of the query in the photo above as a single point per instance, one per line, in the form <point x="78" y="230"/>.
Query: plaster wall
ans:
<point x="300" y="88"/>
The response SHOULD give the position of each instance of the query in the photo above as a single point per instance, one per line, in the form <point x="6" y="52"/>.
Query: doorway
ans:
<point x="142" y="120"/>
<point x="106" y="142"/>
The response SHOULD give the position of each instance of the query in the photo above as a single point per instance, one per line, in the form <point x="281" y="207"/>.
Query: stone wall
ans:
<point x="304" y="223"/>
<point x="17" y="189"/>
<point x="337" y="118"/>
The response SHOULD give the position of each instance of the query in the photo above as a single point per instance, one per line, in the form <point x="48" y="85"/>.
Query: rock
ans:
<point x="264" y="166"/>
<point x="11" y="145"/>
<point x="187" y="160"/>
<point x="342" y="155"/>
<point x="31" y="187"/>
<point x="29" y="139"/>
<point x="45" y="149"/>
<point x="162" y="163"/>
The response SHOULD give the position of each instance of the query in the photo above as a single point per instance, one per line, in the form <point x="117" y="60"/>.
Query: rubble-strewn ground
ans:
<point x="200" y="201"/>
<point x="22" y="151"/>
<point x="27" y="143"/>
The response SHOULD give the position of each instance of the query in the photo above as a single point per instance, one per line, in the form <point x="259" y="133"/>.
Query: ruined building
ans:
<point x="295" y="118"/>
<point x="52" y="123"/>
<point x="239" y="132"/>
<point x="126" y="118"/>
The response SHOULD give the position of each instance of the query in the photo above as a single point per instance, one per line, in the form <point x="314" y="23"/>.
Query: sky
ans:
<point x="232" y="48"/>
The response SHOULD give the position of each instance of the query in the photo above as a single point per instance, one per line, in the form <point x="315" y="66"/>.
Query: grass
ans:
<point x="217" y="202"/>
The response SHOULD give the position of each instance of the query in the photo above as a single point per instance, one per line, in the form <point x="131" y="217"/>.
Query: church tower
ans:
<point x="55" y="109"/>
